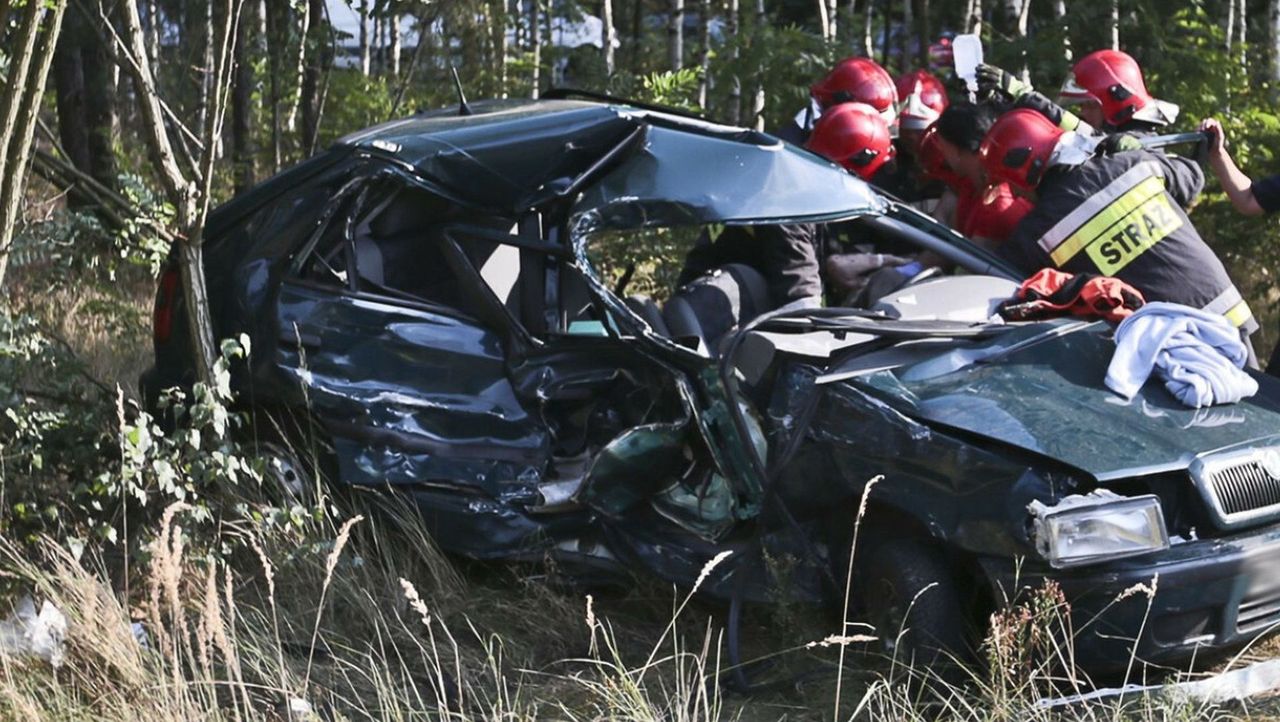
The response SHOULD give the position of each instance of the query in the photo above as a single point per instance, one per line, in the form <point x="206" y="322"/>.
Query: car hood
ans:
<point x="1040" y="388"/>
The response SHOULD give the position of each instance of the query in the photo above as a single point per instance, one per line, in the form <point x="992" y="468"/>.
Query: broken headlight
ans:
<point x="1095" y="527"/>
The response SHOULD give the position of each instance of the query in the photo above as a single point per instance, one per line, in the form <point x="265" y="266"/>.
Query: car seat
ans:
<point x="703" y="311"/>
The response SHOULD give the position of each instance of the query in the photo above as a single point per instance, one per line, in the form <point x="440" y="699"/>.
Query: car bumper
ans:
<point x="1210" y="597"/>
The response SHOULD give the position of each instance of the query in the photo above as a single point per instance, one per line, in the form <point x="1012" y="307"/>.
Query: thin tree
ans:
<point x="757" y="107"/>
<point x="926" y="33"/>
<point x="189" y="196"/>
<point x="832" y="13"/>
<point x="675" y="35"/>
<point x="299" y="67"/>
<point x="1241" y="33"/>
<point x="364" y="37"/>
<point x="823" y="24"/>
<point x="393" y="31"/>
<point x="535" y="46"/>
<point x="29" y="60"/>
<point x="1273" y="38"/>
<point x="608" y="35"/>
<point x="242" y="108"/>
<point x="735" y="84"/>
<point x="908" y="28"/>
<point x="1113" y="24"/>
<point x="1024" y="10"/>
<point x="1230" y="35"/>
<point x="1060" y="15"/>
<point x="704" y="58"/>
<point x="310" y="91"/>
<point x="868" y="42"/>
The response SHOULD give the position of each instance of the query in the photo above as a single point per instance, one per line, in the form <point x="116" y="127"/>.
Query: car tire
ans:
<point x="910" y="595"/>
<point x="297" y="458"/>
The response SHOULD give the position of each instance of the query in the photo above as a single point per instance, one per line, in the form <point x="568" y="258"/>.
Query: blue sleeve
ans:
<point x="1267" y="193"/>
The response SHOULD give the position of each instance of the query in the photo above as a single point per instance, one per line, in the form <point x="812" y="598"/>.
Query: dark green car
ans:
<point x="427" y="296"/>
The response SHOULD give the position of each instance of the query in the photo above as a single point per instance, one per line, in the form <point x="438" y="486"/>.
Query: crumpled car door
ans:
<point x="412" y="390"/>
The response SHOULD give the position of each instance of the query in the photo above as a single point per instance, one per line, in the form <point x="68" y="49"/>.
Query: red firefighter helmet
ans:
<point x="1017" y="148"/>
<point x="933" y="164"/>
<point x="855" y="136"/>
<point x="923" y="99"/>
<point x="858" y="80"/>
<point x="1114" y="79"/>
<point x="992" y="214"/>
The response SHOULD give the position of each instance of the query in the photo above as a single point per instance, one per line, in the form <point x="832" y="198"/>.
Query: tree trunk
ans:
<point x="823" y="24"/>
<point x="926" y="33"/>
<point x="868" y="41"/>
<point x="1273" y="36"/>
<point x="832" y="13"/>
<point x="735" y="89"/>
<point x="299" y="67"/>
<point x="21" y="105"/>
<point x="1060" y="15"/>
<point x="1242" y="16"/>
<point x="275" y="53"/>
<point x="1023" y="12"/>
<point x="69" y="88"/>
<point x="608" y="34"/>
<point x="675" y="35"/>
<point x="205" y="87"/>
<point x="974" y="21"/>
<point x="153" y="31"/>
<point x="393" y="50"/>
<point x="310" y="88"/>
<point x="364" y="37"/>
<point x="242" y="120"/>
<point x="1114" y="24"/>
<point x="704" y="59"/>
<point x="535" y="46"/>
<point x="1229" y="42"/>
<point x="757" y="108"/>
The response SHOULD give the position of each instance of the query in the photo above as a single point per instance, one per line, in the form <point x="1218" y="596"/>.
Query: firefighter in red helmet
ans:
<point x="1115" y="214"/>
<point x="987" y="214"/>
<point x="855" y="136"/>
<point x="852" y="80"/>
<point x="1111" y="94"/>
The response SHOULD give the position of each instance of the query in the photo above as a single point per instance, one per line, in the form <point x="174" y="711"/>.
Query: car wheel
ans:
<point x="910" y="596"/>
<point x="296" y="458"/>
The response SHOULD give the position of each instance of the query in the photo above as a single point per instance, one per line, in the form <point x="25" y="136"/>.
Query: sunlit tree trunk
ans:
<point x="973" y="23"/>
<point x="607" y="35"/>
<point x="299" y="67"/>
<point x="735" y="89"/>
<point x="1024" y="10"/>
<point x="832" y="12"/>
<point x="824" y="24"/>
<point x="868" y="43"/>
<point x="757" y="107"/>
<point x="1242" y="16"/>
<point x="29" y="60"/>
<point x="1114" y="24"/>
<point x="675" y="35"/>
<point x="153" y="31"/>
<point x="535" y="45"/>
<point x="309" y="92"/>
<point x="1273" y="38"/>
<point x="364" y="37"/>
<point x="704" y="58"/>
<point x="393" y="50"/>
<point x="1230" y="35"/>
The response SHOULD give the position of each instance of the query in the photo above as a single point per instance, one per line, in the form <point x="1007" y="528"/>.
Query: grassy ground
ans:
<point x="345" y="609"/>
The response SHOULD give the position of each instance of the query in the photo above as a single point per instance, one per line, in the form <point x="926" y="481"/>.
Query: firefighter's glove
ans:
<point x="1119" y="143"/>
<point x="996" y="83"/>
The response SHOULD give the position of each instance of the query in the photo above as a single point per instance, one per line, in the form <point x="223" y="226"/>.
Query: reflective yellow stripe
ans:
<point x="1132" y="212"/>
<point x="1239" y="314"/>
<point x="1096" y="203"/>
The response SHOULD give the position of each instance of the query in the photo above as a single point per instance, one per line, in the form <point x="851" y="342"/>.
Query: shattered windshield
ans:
<point x="679" y="177"/>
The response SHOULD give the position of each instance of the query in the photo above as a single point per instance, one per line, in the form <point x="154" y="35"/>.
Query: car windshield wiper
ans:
<point x="847" y="319"/>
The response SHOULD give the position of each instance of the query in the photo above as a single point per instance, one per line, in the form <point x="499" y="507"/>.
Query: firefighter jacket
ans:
<point x="1122" y="215"/>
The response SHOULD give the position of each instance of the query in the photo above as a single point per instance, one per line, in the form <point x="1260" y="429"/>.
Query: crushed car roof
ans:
<point x="633" y="166"/>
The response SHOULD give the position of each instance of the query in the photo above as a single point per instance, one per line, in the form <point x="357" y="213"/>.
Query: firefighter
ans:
<point x="922" y="98"/>
<point x="857" y="266"/>
<point x="988" y="216"/>
<point x="1252" y="198"/>
<point x="788" y="256"/>
<point x="1119" y="214"/>
<point x="852" y="80"/>
<point x="1111" y="95"/>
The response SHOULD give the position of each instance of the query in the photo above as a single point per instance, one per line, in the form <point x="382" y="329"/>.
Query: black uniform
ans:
<point x="1122" y="215"/>
<point x="788" y="256"/>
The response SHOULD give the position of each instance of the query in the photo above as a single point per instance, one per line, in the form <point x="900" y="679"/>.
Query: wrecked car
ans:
<point x="425" y="296"/>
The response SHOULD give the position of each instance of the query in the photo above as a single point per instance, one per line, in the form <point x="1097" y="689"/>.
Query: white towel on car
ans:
<point x="1198" y="355"/>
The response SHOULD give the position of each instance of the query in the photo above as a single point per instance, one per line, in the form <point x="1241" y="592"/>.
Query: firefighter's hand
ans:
<point x="994" y="81"/>
<point x="1217" y="135"/>
<point x="849" y="271"/>
<point x="1120" y="143"/>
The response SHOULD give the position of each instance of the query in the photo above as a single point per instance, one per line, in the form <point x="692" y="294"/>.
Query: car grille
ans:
<point x="1240" y="488"/>
<point x="1258" y="614"/>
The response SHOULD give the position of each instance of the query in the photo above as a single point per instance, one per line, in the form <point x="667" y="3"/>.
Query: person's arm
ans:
<point x="1183" y="178"/>
<point x="1238" y="186"/>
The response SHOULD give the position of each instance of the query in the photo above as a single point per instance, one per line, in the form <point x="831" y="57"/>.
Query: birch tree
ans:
<point x="190" y="196"/>
<point x="704" y="57"/>
<point x="757" y="107"/>
<point x="608" y="35"/>
<point x="1273" y="38"/>
<point x="30" y="55"/>
<point x="868" y="43"/>
<point x="535" y="45"/>
<point x="299" y="66"/>
<point x="1060" y="16"/>
<point x="735" y="87"/>
<point x="1114" y="24"/>
<point x="675" y="35"/>
<point x="364" y="37"/>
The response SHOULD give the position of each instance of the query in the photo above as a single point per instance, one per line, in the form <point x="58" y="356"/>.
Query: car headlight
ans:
<point x="1095" y="527"/>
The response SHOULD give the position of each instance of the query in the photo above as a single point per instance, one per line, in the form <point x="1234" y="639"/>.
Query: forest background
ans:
<point x="122" y="122"/>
